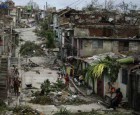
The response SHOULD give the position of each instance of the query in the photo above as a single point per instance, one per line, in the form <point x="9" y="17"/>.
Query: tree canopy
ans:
<point x="108" y="66"/>
<point x="30" y="48"/>
<point x="46" y="32"/>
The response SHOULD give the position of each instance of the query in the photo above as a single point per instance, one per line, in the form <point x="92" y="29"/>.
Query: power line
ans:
<point x="72" y="3"/>
<point x="79" y="3"/>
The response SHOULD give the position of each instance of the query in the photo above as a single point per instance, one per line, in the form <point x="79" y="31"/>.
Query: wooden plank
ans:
<point x="77" y="87"/>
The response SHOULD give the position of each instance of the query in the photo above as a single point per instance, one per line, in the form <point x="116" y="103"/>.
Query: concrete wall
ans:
<point x="115" y="45"/>
<point x="86" y="47"/>
<point x="81" y="32"/>
<point x="88" y="50"/>
<point x="134" y="46"/>
<point x="117" y="84"/>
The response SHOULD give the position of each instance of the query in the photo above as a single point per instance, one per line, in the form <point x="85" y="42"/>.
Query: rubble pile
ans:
<point x="56" y="94"/>
<point x="29" y="66"/>
<point x="25" y="110"/>
<point x="23" y="25"/>
<point x="66" y="98"/>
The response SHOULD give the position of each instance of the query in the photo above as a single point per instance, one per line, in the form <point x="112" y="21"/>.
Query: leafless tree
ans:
<point x="33" y="4"/>
<point x="123" y="6"/>
<point x="109" y="5"/>
<point x="94" y="4"/>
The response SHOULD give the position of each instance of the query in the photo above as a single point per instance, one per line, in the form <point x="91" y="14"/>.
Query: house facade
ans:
<point x="8" y="44"/>
<point x="74" y="27"/>
<point x="87" y="34"/>
<point x="101" y="86"/>
<point x="88" y="46"/>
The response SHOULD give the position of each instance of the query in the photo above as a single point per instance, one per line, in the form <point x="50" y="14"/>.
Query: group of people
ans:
<point x="15" y="82"/>
<point x="66" y="73"/>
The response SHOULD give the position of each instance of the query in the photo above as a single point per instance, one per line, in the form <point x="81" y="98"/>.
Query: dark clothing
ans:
<point x="71" y="73"/>
<point x="116" y="100"/>
<point x="16" y="72"/>
<point x="119" y="97"/>
<point x="16" y="86"/>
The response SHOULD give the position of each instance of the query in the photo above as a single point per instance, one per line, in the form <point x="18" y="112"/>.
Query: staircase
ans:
<point x="3" y="78"/>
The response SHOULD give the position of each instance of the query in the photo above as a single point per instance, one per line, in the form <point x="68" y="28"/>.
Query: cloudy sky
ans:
<point x="71" y="3"/>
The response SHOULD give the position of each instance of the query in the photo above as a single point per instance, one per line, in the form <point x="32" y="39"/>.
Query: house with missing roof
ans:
<point x="83" y="34"/>
<point x="76" y="29"/>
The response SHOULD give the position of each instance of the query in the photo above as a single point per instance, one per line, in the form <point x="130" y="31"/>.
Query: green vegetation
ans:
<point x="64" y="111"/>
<point x="43" y="100"/>
<point x="30" y="48"/>
<point x="109" y="67"/>
<point x="58" y="86"/>
<point x="76" y="101"/>
<point x="46" y="97"/>
<point x="47" y="33"/>
<point x="2" y="106"/>
<point x="127" y="60"/>
<point x="46" y="87"/>
<point x="24" y="110"/>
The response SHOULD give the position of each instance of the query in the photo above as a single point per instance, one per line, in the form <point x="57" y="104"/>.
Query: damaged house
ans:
<point x="87" y="33"/>
<point x="84" y="34"/>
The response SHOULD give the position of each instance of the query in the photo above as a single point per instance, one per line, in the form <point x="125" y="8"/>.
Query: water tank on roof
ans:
<point x="3" y="6"/>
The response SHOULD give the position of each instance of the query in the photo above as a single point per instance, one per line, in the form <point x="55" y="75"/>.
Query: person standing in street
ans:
<point x="67" y="80"/>
<point x="16" y="86"/>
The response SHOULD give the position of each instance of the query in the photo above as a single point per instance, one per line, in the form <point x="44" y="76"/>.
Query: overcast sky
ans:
<point x="59" y="4"/>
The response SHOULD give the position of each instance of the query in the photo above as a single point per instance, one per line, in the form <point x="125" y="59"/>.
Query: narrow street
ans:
<point x="31" y="77"/>
<point x="36" y="79"/>
<point x="76" y="59"/>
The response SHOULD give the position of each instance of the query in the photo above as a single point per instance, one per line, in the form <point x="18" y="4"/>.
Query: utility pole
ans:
<point x="46" y="5"/>
<point x="46" y="9"/>
<point x="105" y="3"/>
<point x="10" y="53"/>
<point x="9" y="63"/>
<point x="3" y="39"/>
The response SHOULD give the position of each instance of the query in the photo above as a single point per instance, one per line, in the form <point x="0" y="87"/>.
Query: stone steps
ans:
<point x="3" y="78"/>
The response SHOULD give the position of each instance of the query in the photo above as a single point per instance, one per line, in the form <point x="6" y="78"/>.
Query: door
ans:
<point x="100" y="87"/>
<point x="137" y="96"/>
<point x="134" y="93"/>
